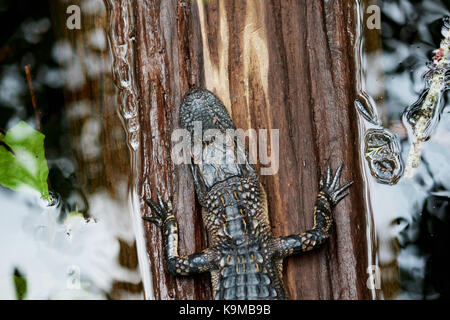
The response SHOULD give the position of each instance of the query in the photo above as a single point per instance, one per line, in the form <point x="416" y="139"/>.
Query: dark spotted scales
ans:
<point x="245" y="259"/>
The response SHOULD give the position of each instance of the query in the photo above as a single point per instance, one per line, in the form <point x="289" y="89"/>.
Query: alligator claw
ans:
<point x="329" y="174"/>
<point x="161" y="210"/>
<point x="154" y="220"/>
<point x="332" y="187"/>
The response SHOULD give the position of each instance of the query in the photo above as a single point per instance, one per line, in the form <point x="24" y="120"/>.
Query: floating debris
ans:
<point x="423" y="116"/>
<point x="382" y="152"/>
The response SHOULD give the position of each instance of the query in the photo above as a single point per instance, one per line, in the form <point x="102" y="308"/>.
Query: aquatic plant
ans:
<point x="23" y="165"/>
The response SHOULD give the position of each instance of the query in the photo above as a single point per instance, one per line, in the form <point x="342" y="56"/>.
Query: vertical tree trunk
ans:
<point x="286" y="65"/>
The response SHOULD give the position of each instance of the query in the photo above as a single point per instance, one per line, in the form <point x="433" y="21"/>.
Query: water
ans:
<point x="83" y="245"/>
<point x="410" y="212"/>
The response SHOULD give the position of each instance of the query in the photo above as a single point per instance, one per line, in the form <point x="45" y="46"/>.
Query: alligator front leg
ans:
<point x="330" y="194"/>
<point x="186" y="265"/>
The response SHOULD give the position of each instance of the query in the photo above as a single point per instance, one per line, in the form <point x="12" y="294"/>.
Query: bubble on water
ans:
<point x="382" y="152"/>
<point x="53" y="201"/>
<point x="414" y="112"/>
<point x="133" y="139"/>
<point x="367" y="111"/>
<point x="133" y="125"/>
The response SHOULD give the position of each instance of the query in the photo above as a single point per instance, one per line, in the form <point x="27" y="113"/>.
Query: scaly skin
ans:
<point x="245" y="259"/>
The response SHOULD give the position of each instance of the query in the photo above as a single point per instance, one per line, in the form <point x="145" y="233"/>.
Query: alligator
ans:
<point x="245" y="260"/>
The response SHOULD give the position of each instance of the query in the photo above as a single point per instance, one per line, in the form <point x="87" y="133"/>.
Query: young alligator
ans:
<point x="245" y="259"/>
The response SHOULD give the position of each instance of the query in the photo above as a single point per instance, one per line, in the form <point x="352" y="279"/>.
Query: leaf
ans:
<point x="22" y="160"/>
<point x="20" y="283"/>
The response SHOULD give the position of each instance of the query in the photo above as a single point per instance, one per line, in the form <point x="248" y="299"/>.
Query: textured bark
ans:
<point x="284" y="65"/>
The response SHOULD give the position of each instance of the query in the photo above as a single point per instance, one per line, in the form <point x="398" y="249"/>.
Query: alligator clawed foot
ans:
<point x="162" y="211"/>
<point x="331" y="185"/>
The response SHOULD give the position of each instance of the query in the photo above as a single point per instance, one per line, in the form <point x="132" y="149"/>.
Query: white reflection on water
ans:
<point x="70" y="259"/>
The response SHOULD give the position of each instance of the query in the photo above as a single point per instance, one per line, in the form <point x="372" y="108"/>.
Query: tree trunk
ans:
<point x="286" y="65"/>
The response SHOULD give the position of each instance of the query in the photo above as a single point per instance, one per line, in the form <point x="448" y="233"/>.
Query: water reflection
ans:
<point x="84" y="246"/>
<point x="72" y="258"/>
<point x="411" y="218"/>
<point x="422" y="117"/>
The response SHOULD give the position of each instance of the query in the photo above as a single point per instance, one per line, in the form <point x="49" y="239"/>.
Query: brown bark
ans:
<point x="286" y="65"/>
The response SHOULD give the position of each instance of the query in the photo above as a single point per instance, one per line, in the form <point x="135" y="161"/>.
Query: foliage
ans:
<point x="22" y="160"/>
<point x="20" y="283"/>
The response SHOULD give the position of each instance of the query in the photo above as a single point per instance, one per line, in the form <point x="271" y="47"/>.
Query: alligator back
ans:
<point x="235" y="215"/>
<point x="245" y="274"/>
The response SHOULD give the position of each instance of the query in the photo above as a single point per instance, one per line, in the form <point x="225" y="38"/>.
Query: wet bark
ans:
<point x="286" y="65"/>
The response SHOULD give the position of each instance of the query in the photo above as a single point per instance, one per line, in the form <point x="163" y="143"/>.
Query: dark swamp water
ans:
<point x="410" y="215"/>
<point x="84" y="246"/>
<point x="89" y="243"/>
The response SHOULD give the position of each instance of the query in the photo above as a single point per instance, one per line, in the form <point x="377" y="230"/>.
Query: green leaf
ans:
<point x="22" y="160"/>
<point x="20" y="283"/>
